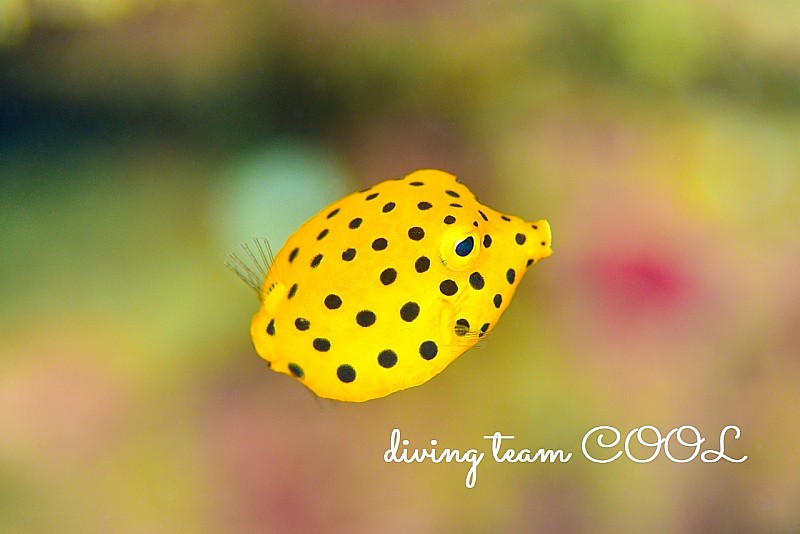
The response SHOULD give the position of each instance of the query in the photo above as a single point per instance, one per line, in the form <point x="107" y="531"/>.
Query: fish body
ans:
<point x="383" y="289"/>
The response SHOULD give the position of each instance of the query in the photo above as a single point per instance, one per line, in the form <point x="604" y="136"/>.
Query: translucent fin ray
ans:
<point x="254" y="271"/>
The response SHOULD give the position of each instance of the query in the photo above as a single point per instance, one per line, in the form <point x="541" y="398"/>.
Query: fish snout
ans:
<point x="541" y="241"/>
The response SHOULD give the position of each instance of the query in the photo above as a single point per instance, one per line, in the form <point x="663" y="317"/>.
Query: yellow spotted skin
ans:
<point x="384" y="288"/>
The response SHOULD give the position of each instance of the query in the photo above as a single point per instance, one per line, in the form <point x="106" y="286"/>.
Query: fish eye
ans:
<point x="465" y="246"/>
<point x="459" y="248"/>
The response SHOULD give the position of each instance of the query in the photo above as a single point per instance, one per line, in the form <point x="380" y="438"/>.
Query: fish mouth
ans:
<point x="544" y="238"/>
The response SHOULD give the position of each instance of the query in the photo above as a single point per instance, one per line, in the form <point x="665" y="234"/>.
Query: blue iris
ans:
<point x="465" y="246"/>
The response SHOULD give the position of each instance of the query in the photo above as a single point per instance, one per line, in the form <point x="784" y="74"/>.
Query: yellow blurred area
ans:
<point x="142" y="140"/>
<point x="83" y="13"/>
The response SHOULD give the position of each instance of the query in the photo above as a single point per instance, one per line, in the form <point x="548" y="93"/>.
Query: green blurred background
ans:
<point x="142" y="140"/>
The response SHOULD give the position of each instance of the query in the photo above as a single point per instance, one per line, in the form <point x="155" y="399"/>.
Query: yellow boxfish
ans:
<point x="383" y="289"/>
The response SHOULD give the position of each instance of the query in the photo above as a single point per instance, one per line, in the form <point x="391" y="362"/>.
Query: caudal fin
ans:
<point x="255" y="271"/>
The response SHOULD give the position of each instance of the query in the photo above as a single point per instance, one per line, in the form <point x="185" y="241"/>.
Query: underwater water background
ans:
<point x="141" y="141"/>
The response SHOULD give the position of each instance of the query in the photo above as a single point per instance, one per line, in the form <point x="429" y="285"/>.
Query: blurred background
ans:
<point x="142" y="140"/>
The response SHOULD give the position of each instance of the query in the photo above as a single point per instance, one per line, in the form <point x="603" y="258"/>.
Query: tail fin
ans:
<point x="254" y="272"/>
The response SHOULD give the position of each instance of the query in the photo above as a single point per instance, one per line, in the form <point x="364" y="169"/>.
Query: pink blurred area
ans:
<point x="60" y="404"/>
